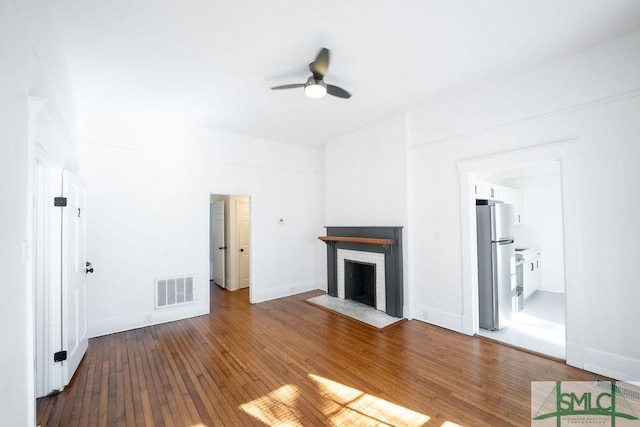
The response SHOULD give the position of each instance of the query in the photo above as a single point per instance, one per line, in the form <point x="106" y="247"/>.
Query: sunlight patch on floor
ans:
<point x="340" y="404"/>
<point x="540" y="329"/>
<point x="346" y="403"/>
<point x="273" y="408"/>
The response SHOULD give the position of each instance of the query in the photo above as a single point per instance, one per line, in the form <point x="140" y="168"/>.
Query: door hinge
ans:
<point x="60" y="201"/>
<point x="60" y="356"/>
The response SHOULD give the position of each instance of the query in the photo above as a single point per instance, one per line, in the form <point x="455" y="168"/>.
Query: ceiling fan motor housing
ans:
<point x="313" y="81"/>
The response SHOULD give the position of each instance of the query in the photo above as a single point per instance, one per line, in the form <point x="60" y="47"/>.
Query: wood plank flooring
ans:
<point x="286" y="362"/>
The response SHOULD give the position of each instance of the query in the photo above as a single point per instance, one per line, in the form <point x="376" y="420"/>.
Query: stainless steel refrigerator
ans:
<point x="496" y="264"/>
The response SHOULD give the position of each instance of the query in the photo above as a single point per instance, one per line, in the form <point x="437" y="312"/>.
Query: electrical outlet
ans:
<point x="147" y="319"/>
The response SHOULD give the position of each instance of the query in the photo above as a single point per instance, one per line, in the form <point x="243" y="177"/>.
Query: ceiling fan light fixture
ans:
<point x="315" y="88"/>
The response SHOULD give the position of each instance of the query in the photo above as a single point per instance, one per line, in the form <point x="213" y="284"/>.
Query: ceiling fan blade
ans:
<point x="338" y="91"/>
<point x="320" y="66"/>
<point x="291" y="86"/>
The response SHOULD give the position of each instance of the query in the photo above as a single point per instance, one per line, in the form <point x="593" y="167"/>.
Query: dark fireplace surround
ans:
<point x="385" y="240"/>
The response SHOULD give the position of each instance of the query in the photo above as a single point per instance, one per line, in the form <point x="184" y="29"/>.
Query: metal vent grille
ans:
<point x="622" y="391"/>
<point x="172" y="291"/>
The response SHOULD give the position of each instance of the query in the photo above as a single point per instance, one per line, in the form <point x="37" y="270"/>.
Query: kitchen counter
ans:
<point x="527" y="253"/>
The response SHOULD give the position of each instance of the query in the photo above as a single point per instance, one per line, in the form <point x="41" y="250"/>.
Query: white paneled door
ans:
<point x="74" y="274"/>
<point x="242" y="211"/>
<point x="219" y="247"/>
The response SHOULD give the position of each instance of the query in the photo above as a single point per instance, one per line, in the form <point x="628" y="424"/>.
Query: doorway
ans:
<point x="512" y="166"/>
<point x="537" y="307"/>
<point x="230" y="241"/>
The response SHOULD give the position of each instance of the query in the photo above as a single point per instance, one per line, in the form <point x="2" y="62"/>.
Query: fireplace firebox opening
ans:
<point x="360" y="282"/>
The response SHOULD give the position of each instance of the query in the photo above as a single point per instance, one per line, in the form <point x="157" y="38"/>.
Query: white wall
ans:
<point x="592" y="98"/>
<point x="28" y="47"/>
<point x="149" y="213"/>
<point x="542" y="225"/>
<point x="321" y="250"/>
<point x="366" y="176"/>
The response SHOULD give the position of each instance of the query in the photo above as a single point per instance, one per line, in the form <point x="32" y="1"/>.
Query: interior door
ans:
<point x="242" y="210"/>
<point x="219" y="246"/>
<point x="48" y="286"/>
<point x="74" y="274"/>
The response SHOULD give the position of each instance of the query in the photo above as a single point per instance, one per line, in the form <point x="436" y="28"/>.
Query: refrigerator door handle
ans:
<point x="506" y="242"/>
<point x="492" y="222"/>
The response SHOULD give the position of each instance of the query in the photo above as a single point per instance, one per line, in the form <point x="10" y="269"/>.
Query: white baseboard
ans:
<point x="147" y="318"/>
<point x="232" y="285"/>
<point x="322" y="285"/>
<point x="439" y="318"/>
<point x="407" y="312"/>
<point x="574" y="355"/>
<point x="262" y="295"/>
<point x="467" y="326"/>
<point x="611" y="365"/>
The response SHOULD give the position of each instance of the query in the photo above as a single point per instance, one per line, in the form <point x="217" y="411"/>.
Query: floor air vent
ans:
<point x="622" y="391"/>
<point x="172" y="291"/>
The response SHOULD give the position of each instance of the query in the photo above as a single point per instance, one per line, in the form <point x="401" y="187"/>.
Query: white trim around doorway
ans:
<point x="564" y="153"/>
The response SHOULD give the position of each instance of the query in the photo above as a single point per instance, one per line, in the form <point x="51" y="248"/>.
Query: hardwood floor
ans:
<point x="286" y="362"/>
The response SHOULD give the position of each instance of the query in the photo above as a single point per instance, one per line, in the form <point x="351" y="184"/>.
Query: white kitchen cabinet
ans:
<point x="517" y="206"/>
<point x="531" y="273"/>
<point x="513" y="196"/>
<point x="528" y="281"/>
<point x="537" y="276"/>
<point x="487" y="191"/>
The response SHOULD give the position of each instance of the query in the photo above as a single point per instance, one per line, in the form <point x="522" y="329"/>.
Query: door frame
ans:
<point x="250" y="197"/>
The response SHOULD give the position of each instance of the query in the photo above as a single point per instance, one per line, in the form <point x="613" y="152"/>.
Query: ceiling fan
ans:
<point x="315" y="87"/>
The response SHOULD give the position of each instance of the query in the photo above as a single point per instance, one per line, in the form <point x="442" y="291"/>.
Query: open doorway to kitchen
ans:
<point x="533" y="289"/>
<point x="230" y="242"/>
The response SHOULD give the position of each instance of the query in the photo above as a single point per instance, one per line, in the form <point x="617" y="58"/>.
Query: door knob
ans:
<point x="89" y="268"/>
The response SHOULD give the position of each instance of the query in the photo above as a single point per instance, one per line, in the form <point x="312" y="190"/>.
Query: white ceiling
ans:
<point x="213" y="61"/>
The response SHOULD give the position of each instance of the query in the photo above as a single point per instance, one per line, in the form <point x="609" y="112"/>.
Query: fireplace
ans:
<point x="365" y="264"/>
